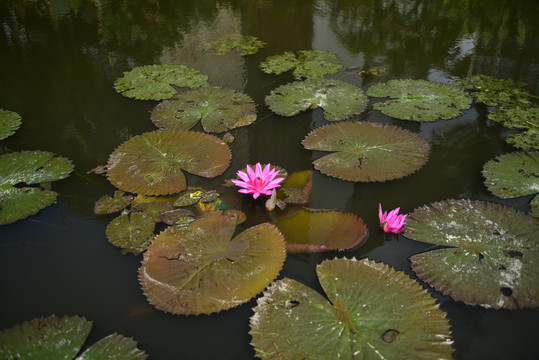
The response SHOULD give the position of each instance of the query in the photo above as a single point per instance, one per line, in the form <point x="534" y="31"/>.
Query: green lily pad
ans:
<point x="153" y="82"/>
<point x="245" y="45"/>
<point x="339" y="99"/>
<point x="526" y="140"/>
<point x="28" y="167"/>
<point x="153" y="209"/>
<point x="152" y="163"/>
<point x="367" y="151"/>
<point x="108" y="205"/>
<point x="296" y="188"/>
<point x="309" y="64"/>
<point x="9" y="122"/>
<point x="371" y="312"/>
<point x="202" y="269"/>
<point x="172" y="217"/>
<point x="310" y="230"/>
<point x="516" y="117"/>
<point x="54" y="338"/>
<point x="218" y="109"/>
<point x="492" y="91"/>
<point x="491" y="256"/>
<point x="534" y="206"/>
<point x="420" y="100"/>
<point x="131" y="232"/>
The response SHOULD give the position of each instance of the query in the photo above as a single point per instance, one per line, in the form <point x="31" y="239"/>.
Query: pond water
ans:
<point x="59" y="60"/>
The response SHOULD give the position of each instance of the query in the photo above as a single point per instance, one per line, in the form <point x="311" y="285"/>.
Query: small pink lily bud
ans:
<point x="392" y="222"/>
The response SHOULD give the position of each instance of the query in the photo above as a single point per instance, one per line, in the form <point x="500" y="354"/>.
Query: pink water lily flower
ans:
<point x="257" y="181"/>
<point x="392" y="222"/>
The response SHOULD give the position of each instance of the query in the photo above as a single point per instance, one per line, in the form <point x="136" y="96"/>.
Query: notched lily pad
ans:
<point x="371" y="312"/>
<point x="218" y="109"/>
<point x="131" y="232"/>
<point x="309" y="64"/>
<point x="339" y="99"/>
<point x="310" y="230"/>
<point x="492" y="91"/>
<point x="10" y="121"/>
<point x="245" y="45"/>
<point x="108" y="205"/>
<point x="152" y="163"/>
<point x="154" y="82"/>
<point x="527" y="140"/>
<point x="420" y="100"/>
<point x="201" y="269"/>
<point x="153" y="209"/>
<point x="367" y="151"/>
<point x="491" y="256"/>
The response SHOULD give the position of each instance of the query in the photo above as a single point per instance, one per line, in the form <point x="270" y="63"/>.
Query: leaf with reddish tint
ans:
<point x="153" y="209"/>
<point x="202" y="269"/>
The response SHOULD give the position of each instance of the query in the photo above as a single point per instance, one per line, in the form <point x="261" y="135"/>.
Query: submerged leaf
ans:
<point x="339" y="99"/>
<point x="367" y="151"/>
<point x="108" y="205"/>
<point x="152" y="163"/>
<point x="9" y="122"/>
<point x="245" y="45"/>
<point x="420" y="100"/>
<point x="310" y="230"/>
<point x="153" y="82"/>
<point x="131" y="232"/>
<point x="201" y="269"/>
<point x="373" y="312"/>
<point x="309" y="64"/>
<point x="219" y="110"/>
<point x="491" y="259"/>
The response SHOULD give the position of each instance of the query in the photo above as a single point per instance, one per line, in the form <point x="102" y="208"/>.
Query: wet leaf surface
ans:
<point x="108" y="205"/>
<point x="245" y="45"/>
<point x="308" y="64"/>
<point x="10" y="121"/>
<point x="153" y="209"/>
<point x="131" y="232"/>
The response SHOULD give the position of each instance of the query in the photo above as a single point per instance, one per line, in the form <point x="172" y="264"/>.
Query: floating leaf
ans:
<point x="28" y="167"/>
<point x="131" y="232"/>
<point x="339" y="99"/>
<point x="516" y="117"/>
<point x="367" y="151"/>
<point x="172" y="217"/>
<point x="373" y="312"/>
<point x="309" y="230"/>
<point x="108" y="205"/>
<point x="492" y="91"/>
<point x="202" y="269"/>
<point x="9" y="122"/>
<point x="153" y="82"/>
<point x="153" y="209"/>
<point x="245" y="45"/>
<point x="218" y="109"/>
<point x="152" y="163"/>
<point x="309" y="64"/>
<point x="56" y="338"/>
<point x="420" y="100"/>
<point x="526" y="140"/>
<point x="491" y="259"/>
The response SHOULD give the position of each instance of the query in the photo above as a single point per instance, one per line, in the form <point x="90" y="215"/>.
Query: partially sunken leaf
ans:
<point x="153" y="209"/>
<point x="131" y="232"/>
<point x="114" y="347"/>
<point x="49" y="338"/>
<point x="153" y="82"/>
<point x="202" y="269"/>
<point x="172" y="217"/>
<point x="373" y="312"/>
<point x="245" y="45"/>
<point x="19" y="203"/>
<point x="33" y="167"/>
<point x="219" y="110"/>
<point x="309" y="230"/>
<point x="367" y="151"/>
<point x="309" y="64"/>
<point x="9" y="122"/>
<point x="526" y="140"/>
<point x="152" y="163"/>
<point x="491" y="259"/>
<point x="339" y="99"/>
<point x="420" y="100"/>
<point x="108" y="205"/>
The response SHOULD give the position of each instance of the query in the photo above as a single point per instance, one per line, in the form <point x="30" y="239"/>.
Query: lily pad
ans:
<point x="420" y="100"/>
<point x="172" y="217"/>
<point x="492" y="91"/>
<point x="218" y="109"/>
<point x="203" y="270"/>
<point x="490" y="257"/>
<point x="310" y="230"/>
<point x="516" y="117"/>
<point x="154" y="82"/>
<point x="54" y="338"/>
<point x="526" y="140"/>
<point x="339" y="99"/>
<point x="108" y="205"/>
<point x="131" y="232"/>
<point x="371" y="312"/>
<point x="9" y="122"/>
<point x="309" y="64"/>
<point x="152" y="163"/>
<point x="245" y="45"/>
<point x="367" y="151"/>
<point x="28" y="167"/>
<point x="153" y="209"/>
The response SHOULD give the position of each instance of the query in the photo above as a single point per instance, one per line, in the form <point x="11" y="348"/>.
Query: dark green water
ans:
<point x="59" y="59"/>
